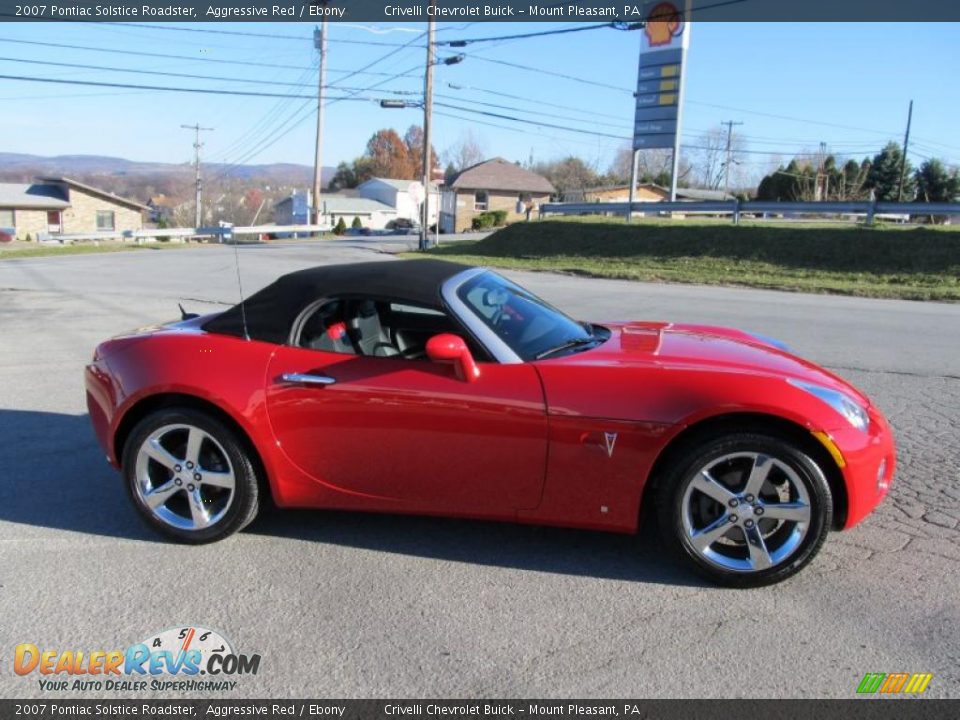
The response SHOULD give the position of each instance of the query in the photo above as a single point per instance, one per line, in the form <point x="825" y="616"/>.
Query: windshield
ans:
<point x="532" y="328"/>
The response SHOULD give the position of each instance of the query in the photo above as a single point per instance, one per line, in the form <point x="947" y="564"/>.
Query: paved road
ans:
<point x="354" y="605"/>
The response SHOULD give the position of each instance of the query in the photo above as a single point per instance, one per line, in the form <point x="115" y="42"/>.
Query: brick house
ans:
<point x="645" y="192"/>
<point x="60" y="205"/>
<point x="491" y="185"/>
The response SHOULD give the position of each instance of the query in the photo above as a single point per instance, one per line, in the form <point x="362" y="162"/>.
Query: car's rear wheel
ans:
<point x="745" y="509"/>
<point x="190" y="476"/>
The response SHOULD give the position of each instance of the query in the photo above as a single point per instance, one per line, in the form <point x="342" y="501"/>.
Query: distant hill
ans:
<point x="234" y="193"/>
<point x="18" y="166"/>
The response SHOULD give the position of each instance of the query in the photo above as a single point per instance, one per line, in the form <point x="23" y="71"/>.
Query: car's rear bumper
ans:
<point x="869" y="464"/>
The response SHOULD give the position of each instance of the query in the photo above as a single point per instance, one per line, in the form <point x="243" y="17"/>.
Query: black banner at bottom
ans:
<point x="855" y="709"/>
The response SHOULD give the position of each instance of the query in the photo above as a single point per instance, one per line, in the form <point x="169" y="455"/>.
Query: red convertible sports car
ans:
<point x="428" y="387"/>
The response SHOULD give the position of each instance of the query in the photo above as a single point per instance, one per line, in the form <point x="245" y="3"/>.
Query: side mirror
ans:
<point x="447" y="348"/>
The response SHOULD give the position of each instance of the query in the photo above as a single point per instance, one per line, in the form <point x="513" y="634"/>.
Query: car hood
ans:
<point x="703" y="348"/>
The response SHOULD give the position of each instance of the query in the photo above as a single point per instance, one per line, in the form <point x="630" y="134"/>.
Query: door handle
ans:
<point x="307" y="379"/>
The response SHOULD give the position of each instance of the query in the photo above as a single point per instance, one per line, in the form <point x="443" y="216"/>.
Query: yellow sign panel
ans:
<point x="666" y="85"/>
<point x="668" y="99"/>
<point x="669" y="71"/>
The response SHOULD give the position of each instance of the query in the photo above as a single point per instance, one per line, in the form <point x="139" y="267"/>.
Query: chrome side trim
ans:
<point x="497" y="348"/>
<point x="307" y="379"/>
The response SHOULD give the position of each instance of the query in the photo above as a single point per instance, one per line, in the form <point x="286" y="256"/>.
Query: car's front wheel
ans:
<point x="745" y="509"/>
<point x="189" y="476"/>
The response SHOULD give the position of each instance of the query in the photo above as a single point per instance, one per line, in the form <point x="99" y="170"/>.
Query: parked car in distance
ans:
<point x="427" y="387"/>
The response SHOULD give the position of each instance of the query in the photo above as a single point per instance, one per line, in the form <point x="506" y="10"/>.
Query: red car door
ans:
<point x="409" y="433"/>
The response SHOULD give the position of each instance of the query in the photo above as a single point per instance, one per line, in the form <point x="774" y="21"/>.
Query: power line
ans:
<point x="175" y="27"/>
<point x="573" y="78"/>
<point x="161" y="88"/>
<point x="463" y="42"/>
<point x="527" y="99"/>
<point x="188" y="58"/>
<point x="161" y="73"/>
<point x="531" y="122"/>
<point x="621" y="125"/>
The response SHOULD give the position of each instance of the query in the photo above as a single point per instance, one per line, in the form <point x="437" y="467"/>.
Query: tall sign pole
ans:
<point x="427" y="117"/>
<point x="320" y="43"/>
<point x="660" y="80"/>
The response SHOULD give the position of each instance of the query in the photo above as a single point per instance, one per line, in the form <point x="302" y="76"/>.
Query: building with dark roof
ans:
<point x="56" y="205"/>
<point x="495" y="184"/>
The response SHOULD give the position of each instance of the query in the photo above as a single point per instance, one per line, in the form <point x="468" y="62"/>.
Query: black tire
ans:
<point x="681" y="505"/>
<point x="235" y="514"/>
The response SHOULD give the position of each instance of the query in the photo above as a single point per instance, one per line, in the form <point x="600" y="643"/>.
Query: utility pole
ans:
<point x="427" y="116"/>
<point x="320" y="43"/>
<point x="726" y="166"/>
<point x="634" y="162"/>
<point x="906" y="145"/>
<point x="197" y="146"/>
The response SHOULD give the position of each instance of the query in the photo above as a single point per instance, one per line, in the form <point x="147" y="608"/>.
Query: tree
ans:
<point x="653" y="166"/>
<point x="568" y="174"/>
<point x="414" y="142"/>
<point x="935" y="183"/>
<point x="345" y="177"/>
<point x="710" y="158"/>
<point x="340" y="228"/>
<point x="467" y="151"/>
<point x="788" y="184"/>
<point x="884" y="175"/>
<point x="356" y="224"/>
<point x="389" y="156"/>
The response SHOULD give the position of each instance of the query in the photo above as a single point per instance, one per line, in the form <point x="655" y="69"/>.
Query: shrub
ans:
<point x="356" y="224"/>
<point x="340" y="228"/>
<point x="28" y="238"/>
<point x="488" y="219"/>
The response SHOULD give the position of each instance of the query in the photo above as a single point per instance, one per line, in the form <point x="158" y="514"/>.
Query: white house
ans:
<point x="401" y="195"/>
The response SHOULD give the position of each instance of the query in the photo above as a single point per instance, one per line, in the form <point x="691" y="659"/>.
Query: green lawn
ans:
<point x="33" y="250"/>
<point x="891" y="262"/>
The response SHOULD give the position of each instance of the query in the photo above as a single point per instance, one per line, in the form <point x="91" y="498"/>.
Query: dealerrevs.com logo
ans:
<point x="186" y="659"/>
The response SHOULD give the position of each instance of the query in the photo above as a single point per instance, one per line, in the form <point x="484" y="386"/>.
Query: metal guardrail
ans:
<point x="737" y="208"/>
<point x="221" y="233"/>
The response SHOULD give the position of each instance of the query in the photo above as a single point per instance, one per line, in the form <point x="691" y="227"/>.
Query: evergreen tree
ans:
<point x="356" y="224"/>
<point x="884" y="175"/>
<point x="340" y="228"/>
<point x="935" y="183"/>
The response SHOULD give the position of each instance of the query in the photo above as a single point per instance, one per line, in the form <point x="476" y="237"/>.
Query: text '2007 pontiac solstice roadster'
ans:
<point x="428" y="387"/>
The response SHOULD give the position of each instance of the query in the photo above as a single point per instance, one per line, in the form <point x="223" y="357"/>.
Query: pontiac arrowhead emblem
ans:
<point x="610" y="439"/>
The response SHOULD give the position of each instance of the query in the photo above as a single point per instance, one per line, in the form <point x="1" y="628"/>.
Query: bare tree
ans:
<point x="709" y="157"/>
<point x="467" y="151"/>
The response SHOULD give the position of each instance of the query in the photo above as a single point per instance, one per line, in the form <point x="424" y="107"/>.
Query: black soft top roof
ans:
<point x="270" y="313"/>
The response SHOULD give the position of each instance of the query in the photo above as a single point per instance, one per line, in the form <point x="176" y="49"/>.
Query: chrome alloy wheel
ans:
<point x="184" y="477"/>
<point x="746" y="512"/>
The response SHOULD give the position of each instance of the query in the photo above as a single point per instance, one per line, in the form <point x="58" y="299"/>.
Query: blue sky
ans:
<point x="792" y="85"/>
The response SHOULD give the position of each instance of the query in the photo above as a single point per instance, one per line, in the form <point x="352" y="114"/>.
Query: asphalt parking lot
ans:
<point x="348" y="605"/>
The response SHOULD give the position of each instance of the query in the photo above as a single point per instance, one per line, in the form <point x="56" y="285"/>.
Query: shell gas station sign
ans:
<point x="663" y="49"/>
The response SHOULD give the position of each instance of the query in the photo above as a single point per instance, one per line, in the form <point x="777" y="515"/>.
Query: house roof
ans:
<point x="344" y="205"/>
<point x="69" y="182"/>
<point x="687" y="193"/>
<point x="500" y="174"/>
<point x="28" y="196"/>
<point x="400" y="185"/>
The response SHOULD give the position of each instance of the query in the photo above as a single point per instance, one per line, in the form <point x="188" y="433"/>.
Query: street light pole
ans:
<point x="427" y="117"/>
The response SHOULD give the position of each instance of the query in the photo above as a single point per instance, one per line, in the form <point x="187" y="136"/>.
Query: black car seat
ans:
<point x="326" y="330"/>
<point x="367" y="331"/>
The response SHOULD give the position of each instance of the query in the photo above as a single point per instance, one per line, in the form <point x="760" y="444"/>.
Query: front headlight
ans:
<point x="852" y="411"/>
